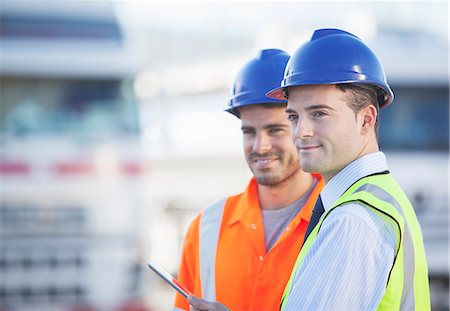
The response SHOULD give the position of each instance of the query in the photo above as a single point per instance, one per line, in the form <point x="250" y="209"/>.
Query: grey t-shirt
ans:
<point x="275" y="221"/>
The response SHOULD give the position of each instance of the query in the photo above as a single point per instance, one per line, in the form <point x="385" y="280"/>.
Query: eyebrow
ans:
<point x="309" y="108"/>
<point x="289" y="110"/>
<point x="314" y="107"/>
<point x="268" y="126"/>
<point x="276" y="125"/>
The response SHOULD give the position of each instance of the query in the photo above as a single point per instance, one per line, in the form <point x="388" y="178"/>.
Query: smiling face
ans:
<point x="268" y="147"/>
<point x="328" y="134"/>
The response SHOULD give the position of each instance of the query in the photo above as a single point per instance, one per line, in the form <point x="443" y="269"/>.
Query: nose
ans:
<point x="261" y="143"/>
<point x="303" y="129"/>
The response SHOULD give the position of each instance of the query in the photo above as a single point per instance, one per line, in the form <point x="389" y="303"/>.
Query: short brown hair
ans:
<point x="359" y="96"/>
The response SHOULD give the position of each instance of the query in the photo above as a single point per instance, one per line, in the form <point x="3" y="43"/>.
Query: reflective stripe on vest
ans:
<point x="407" y="287"/>
<point x="209" y="237"/>
<point x="408" y="248"/>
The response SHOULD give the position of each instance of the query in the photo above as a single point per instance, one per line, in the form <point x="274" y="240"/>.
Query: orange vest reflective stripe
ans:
<point x="209" y="237"/>
<point x="224" y="257"/>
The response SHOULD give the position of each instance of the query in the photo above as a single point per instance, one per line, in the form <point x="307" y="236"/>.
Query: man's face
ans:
<point x="268" y="147"/>
<point x="326" y="131"/>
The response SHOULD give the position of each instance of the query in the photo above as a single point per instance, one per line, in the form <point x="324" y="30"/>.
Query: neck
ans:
<point x="286" y="192"/>
<point x="370" y="147"/>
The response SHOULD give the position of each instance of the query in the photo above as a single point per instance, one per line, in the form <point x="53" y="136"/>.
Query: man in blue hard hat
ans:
<point x="240" y="250"/>
<point x="363" y="248"/>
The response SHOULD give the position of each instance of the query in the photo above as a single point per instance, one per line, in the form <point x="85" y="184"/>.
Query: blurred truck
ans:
<point x="70" y="165"/>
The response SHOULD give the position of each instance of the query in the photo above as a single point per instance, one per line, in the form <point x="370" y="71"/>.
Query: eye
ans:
<point x="292" y="117"/>
<point x="275" y="130"/>
<point x="318" y="114"/>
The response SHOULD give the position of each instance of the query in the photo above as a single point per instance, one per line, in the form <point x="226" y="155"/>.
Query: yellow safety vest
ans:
<point x="407" y="287"/>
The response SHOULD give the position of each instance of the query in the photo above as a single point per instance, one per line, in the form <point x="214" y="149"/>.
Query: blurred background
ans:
<point x="113" y="135"/>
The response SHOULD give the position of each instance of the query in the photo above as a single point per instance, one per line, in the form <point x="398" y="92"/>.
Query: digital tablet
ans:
<point x="170" y="279"/>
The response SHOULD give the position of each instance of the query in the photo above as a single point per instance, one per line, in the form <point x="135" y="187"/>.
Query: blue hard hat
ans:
<point x="334" y="56"/>
<point x="256" y="78"/>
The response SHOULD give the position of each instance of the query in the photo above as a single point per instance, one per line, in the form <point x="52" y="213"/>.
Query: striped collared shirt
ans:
<point x="348" y="265"/>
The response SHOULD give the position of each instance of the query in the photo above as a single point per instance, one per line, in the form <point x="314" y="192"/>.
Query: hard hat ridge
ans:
<point x="256" y="78"/>
<point x="334" y="56"/>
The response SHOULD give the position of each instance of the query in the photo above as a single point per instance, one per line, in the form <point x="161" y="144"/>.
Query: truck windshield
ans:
<point x="83" y="108"/>
<point x="418" y="119"/>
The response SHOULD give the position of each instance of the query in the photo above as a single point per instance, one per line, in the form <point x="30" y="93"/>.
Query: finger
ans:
<point x="191" y="308"/>
<point x="217" y="306"/>
<point x="198" y="303"/>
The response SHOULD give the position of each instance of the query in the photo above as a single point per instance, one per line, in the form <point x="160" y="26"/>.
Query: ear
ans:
<point x="369" y="118"/>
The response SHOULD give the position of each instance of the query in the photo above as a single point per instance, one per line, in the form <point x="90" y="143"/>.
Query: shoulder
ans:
<point x="208" y="220"/>
<point x="212" y="214"/>
<point x="357" y="218"/>
<point x="215" y="206"/>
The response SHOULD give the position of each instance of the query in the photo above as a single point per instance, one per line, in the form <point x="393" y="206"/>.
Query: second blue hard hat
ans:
<point x="257" y="77"/>
<point x="334" y="56"/>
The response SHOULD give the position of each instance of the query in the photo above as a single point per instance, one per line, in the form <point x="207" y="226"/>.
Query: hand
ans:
<point x="198" y="304"/>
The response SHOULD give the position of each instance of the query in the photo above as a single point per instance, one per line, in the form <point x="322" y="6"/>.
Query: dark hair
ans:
<point x="360" y="96"/>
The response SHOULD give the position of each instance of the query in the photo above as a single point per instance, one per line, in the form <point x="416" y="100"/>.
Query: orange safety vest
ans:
<point x="224" y="256"/>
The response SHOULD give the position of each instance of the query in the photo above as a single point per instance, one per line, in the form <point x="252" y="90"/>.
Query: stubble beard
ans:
<point x="272" y="179"/>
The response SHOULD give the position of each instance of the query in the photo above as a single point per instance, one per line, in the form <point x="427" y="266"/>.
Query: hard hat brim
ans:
<point x="277" y="93"/>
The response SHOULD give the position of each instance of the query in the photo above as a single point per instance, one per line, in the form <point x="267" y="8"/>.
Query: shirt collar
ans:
<point x="249" y="208"/>
<point x="366" y="165"/>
